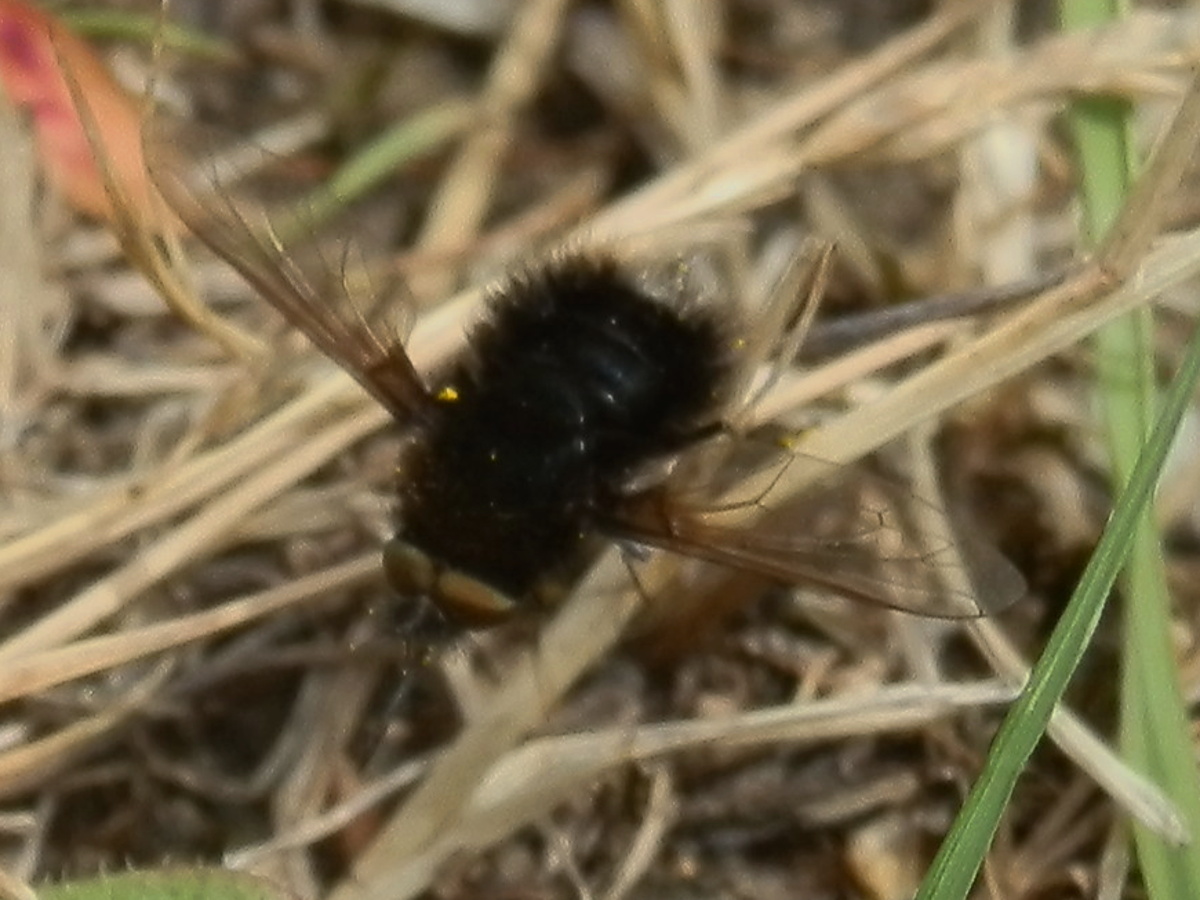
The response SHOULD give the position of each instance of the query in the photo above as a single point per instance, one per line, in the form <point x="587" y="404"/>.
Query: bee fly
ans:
<point x="576" y="383"/>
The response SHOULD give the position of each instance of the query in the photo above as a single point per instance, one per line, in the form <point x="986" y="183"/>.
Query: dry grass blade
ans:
<point x="37" y="672"/>
<point x="204" y="531"/>
<point x="466" y="191"/>
<point x="580" y="634"/>
<point x="46" y="757"/>
<point x="144" y="241"/>
<point x="530" y="781"/>
<point x="29" y="303"/>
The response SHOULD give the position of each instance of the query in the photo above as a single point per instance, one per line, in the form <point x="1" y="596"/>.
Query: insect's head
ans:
<point x="461" y="598"/>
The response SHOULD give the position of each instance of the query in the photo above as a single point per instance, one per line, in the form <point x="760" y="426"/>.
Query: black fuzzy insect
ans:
<point x="574" y="383"/>
<point x="556" y="427"/>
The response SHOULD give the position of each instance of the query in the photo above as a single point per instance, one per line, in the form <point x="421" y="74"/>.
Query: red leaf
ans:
<point x="35" y="49"/>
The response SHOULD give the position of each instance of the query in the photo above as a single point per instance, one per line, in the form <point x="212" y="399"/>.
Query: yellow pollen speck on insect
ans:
<point x="447" y="394"/>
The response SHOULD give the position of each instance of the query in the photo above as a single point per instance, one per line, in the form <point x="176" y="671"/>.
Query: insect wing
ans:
<point x="324" y="292"/>
<point x="856" y="536"/>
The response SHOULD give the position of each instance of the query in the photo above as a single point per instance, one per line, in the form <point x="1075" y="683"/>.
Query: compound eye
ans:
<point x="461" y="598"/>
<point x="408" y="570"/>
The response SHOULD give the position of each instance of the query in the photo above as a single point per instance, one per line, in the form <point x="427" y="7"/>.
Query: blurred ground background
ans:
<point x="153" y="468"/>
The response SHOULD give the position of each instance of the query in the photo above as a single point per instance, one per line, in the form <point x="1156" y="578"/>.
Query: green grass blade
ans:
<point x="961" y="854"/>
<point x="1155" y="732"/>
